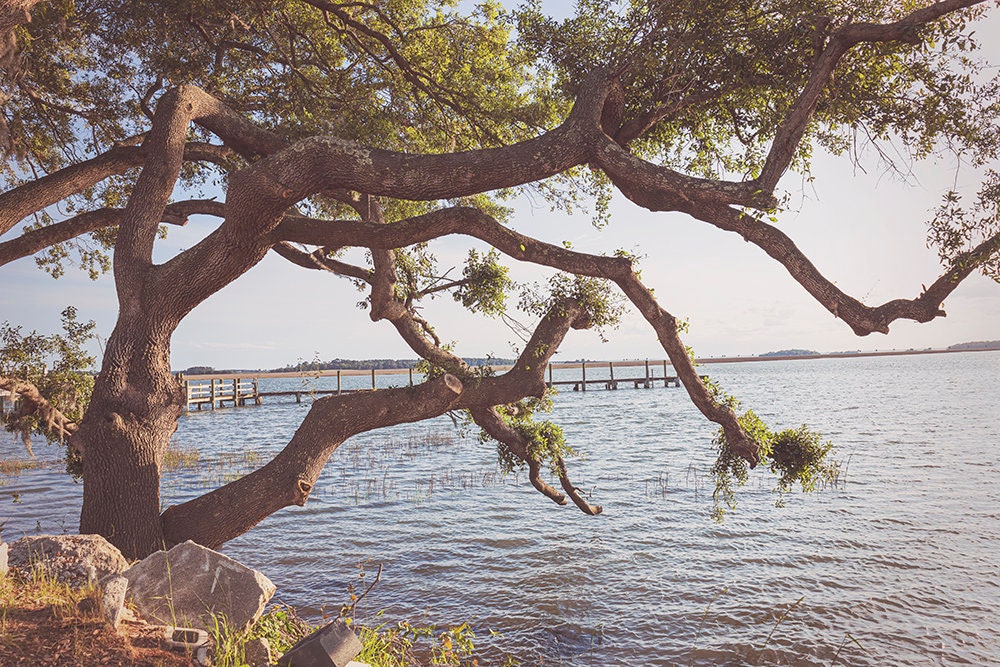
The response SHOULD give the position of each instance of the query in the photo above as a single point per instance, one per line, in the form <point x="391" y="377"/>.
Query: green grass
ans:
<point x="383" y="644"/>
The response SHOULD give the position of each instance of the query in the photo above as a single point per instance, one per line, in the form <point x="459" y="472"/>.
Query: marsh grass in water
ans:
<point x="209" y="471"/>
<point x="14" y="467"/>
<point x="363" y="470"/>
<point x="178" y="458"/>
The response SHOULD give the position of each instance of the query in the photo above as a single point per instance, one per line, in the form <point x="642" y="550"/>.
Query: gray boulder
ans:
<point x="190" y="584"/>
<point x="257" y="652"/>
<point x="76" y="560"/>
<point x="113" y="599"/>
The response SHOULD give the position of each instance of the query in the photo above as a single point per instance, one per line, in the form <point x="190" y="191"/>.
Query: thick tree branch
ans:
<point x="36" y="240"/>
<point x="259" y="195"/>
<point x="660" y="188"/>
<point x="36" y="195"/>
<point x="287" y="479"/>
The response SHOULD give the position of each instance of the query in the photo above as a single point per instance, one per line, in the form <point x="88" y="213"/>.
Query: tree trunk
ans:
<point x="132" y="415"/>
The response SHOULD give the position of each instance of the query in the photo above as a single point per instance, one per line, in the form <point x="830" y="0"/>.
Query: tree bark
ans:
<point x="132" y="415"/>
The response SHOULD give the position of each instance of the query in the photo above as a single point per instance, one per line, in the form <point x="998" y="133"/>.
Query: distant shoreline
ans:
<point x="841" y="355"/>
<point x="576" y="364"/>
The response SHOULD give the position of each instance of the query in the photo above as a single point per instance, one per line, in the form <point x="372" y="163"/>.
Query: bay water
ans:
<point x="897" y="565"/>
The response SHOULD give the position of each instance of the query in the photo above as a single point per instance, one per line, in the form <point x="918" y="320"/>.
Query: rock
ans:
<point x="113" y="599"/>
<point x="189" y="583"/>
<point x="76" y="560"/>
<point x="4" y="548"/>
<point x="192" y="641"/>
<point x="333" y="645"/>
<point x="257" y="652"/>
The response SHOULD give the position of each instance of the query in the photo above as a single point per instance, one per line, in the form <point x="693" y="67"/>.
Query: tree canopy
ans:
<point x="386" y="125"/>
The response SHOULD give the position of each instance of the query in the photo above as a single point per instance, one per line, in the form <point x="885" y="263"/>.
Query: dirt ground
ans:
<point x="38" y="628"/>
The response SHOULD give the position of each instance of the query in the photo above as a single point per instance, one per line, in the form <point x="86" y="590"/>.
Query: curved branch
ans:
<point x="491" y="422"/>
<point x="20" y="202"/>
<point x="443" y="222"/>
<point x="36" y="240"/>
<point x="229" y="511"/>
<point x="475" y="223"/>
<point x="862" y="319"/>
<point x="666" y="328"/>
<point x="316" y="260"/>
<point x="792" y="128"/>
<point x="660" y="188"/>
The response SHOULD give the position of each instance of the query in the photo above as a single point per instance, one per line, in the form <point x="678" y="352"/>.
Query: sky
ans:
<point x="865" y="229"/>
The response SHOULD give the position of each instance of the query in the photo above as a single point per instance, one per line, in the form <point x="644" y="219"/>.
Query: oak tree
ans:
<point x="332" y="125"/>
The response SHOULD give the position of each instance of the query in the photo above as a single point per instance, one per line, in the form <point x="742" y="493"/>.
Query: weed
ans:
<point x="177" y="457"/>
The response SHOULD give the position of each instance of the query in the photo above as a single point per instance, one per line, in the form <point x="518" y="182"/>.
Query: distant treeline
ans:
<point x="366" y="364"/>
<point x="977" y="345"/>
<point x="789" y="353"/>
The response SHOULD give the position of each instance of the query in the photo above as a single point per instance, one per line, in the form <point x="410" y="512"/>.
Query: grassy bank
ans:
<point x="47" y="623"/>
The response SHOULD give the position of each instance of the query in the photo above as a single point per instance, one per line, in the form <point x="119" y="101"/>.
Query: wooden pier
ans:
<point x="226" y="390"/>
<point x="8" y="402"/>
<point x="647" y="380"/>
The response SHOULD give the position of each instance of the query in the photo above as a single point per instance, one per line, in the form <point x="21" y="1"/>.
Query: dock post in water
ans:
<point x="373" y="379"/>
<point x="338" y="383"/>
<point x="584" y="383"/>
<point x="611" y="369"/>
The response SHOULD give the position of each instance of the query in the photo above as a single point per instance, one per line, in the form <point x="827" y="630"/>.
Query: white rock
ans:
<point x="190" y="584"/>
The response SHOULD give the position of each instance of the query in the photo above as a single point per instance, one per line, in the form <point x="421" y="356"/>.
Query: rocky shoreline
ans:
<point x="180" y="595"/>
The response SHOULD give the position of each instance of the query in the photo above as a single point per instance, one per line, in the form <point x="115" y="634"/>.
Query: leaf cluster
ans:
<point x="722" y="75"/>
<point x="58" y="365"/>
<point x="956" y="230"/>
<point x="604" y="306"/>
<point x="797" y="456"/>
<point x="485" y="284"/>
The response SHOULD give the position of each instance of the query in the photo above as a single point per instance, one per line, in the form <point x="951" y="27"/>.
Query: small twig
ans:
<point x="348" y="610"/>
<point x="847" y="635"/>
<point x="704" y="615"/>
<point x="776" y="624"/>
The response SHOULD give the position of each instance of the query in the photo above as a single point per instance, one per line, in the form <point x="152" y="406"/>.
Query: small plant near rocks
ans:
<point x="280" y="626"/>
